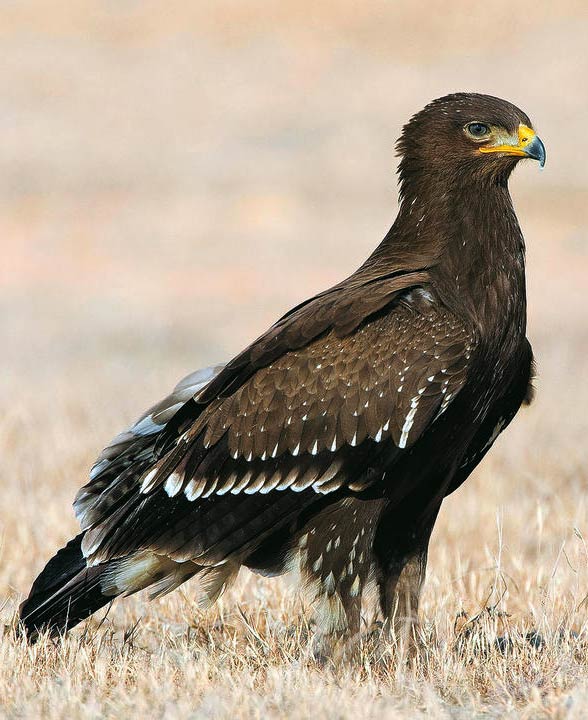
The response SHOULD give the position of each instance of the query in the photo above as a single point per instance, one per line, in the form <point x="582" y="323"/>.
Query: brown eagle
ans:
<point x="328" y="445"/>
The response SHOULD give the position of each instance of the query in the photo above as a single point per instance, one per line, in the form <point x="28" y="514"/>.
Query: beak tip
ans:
<point x="542" y="159"/>
<point x="536" y="151"/>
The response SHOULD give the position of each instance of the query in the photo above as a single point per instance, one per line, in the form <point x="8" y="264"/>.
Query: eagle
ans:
<point x="326" y="447"/>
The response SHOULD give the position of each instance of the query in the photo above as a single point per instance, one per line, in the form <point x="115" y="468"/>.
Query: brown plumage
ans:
<point x="328" y="445"/>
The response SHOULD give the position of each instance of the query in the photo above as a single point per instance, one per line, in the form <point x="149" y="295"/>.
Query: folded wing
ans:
<point x="239" y="460"/>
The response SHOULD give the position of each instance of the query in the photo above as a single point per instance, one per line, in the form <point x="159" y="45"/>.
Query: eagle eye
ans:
<point x="478" y="130"/>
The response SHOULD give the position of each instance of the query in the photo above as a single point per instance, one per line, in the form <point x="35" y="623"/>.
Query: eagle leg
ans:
<point x="400" y="572"/>
<point x="333" y="552"/>
<point x="399" y="600"/>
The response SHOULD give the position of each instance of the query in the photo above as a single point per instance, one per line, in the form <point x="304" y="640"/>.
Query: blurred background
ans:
<point x="174" y="176"/>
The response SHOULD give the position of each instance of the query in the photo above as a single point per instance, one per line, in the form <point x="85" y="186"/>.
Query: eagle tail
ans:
<point x="65" y="593"/>
<point x="69" y="590"/>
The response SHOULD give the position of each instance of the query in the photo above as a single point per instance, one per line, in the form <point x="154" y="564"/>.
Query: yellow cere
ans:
<point x="515" y="145"/>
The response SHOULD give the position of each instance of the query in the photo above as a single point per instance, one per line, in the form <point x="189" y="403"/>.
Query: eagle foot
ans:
<point x="386" y="642"/>
<point x="382" y="643"/>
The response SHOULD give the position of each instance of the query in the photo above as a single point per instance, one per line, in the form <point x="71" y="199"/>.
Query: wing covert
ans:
<point x="386" y="382"/>
<point x="308" y="422"/>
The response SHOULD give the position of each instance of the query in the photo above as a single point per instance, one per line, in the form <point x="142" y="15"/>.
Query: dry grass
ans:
<point x="171" y="180"/>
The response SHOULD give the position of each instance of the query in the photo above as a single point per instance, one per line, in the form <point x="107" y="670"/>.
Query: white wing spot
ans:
<point x="191" y="491"/>
<point x="146" y="484"/>
<point x="173" y="484"/>
<point x="408" y="423"/>
<point x="495" y="433"/>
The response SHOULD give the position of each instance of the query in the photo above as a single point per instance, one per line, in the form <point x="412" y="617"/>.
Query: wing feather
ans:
<point x="297" y="416"/>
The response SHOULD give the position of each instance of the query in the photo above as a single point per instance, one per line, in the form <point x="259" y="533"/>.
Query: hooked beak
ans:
<point x="525" y="144"/>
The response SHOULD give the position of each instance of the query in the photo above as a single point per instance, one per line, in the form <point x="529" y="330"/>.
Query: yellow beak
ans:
<point x="525" y="144"/>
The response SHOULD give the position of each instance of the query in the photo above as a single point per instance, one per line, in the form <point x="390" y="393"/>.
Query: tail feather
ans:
<point x="68" y="590"/>
<point x="59" y="570"/>
<point x="65" y="593"/>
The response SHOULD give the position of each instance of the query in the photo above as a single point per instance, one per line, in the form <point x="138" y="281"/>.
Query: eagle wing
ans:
<point x="297" y="416"/>
<point x="127" y="447"/>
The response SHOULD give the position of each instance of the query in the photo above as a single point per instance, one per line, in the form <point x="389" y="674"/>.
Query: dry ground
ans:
<point x="172" y="179"/>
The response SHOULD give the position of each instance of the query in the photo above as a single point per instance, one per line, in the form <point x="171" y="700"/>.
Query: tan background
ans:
<point x="174" y="176"/>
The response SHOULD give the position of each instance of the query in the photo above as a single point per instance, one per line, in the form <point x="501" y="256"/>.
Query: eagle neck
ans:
<point x="469" y="240"/>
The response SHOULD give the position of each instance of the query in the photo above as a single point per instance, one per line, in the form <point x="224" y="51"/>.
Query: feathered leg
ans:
<point x="401" y="549"/>
<point x="334" y="554"/>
